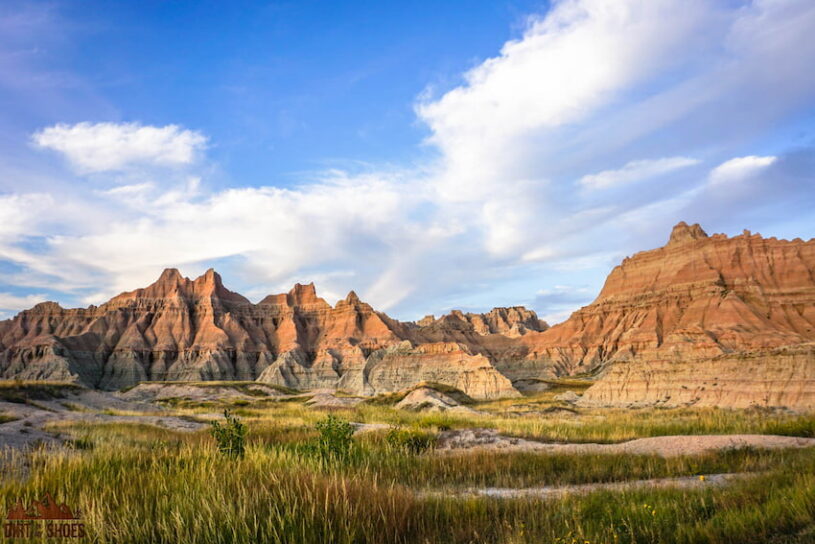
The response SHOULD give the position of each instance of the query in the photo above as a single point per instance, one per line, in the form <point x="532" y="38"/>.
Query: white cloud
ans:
<point x="278" y="231"/>
<point x="104" y="147"/>
<point x="16" y="303"/>
<point x="635" y="171"/>
<point x="569" y="64"/>
<point x="19" y="213"/>
<point x="739" y="168"/>
<point x="128" y="191"/>
<point x="590" y="89"/>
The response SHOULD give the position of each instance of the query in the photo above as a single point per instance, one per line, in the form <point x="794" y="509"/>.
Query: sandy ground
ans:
<point x="556" y="492"/>
<point x="150" y="392"/>
<point x="84" y="406"/>
<point x="323" y="399"/>
<point x="666" y="446"/>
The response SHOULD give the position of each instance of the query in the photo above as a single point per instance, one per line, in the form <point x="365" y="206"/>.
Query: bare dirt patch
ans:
<point x="88" y="406"/>
<point x="665" y="446"/>
<point x="328" y="400"/>
<point x="557" y="492"/>
<point x="154" y="392"/>
<point x="427" y="399"/>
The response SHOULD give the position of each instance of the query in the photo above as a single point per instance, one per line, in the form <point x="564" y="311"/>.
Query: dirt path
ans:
<point x="556" y="492"/>
<point x="666" y="446"/>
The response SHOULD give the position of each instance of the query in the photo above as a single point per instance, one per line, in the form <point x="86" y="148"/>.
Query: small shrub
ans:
<point x="335" y="439"/>
<point x="230" y="436"/>
<point x="409" y="440"/>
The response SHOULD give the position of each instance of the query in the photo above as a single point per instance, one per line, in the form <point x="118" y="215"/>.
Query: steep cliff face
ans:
<point x="182" y="329"/>
<point x="766" y="378"/>
<point x="704" y="320"/>
<point x="700" y="304"/>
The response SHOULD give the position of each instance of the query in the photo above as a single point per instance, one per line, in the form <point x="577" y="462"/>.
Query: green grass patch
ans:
<point x="274" y="494"/>
<point x="23" y="391"/>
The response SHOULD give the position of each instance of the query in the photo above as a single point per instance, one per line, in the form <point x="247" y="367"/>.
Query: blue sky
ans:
<point x="428" y="155"/>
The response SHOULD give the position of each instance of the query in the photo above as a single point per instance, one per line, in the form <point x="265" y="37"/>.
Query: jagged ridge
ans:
<point x="702" y="320"/>
<point x="182" y="329"/>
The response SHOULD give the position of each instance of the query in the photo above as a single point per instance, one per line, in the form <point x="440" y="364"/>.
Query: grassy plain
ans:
<point x="142" y="483"/>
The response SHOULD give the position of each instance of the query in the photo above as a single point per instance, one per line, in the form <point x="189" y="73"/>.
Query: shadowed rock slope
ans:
<point x="182" y="329"/>
<point x="704" y="320"/>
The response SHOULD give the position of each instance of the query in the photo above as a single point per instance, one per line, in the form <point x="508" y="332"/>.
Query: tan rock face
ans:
<point x="671" y="321"/>
<point x="513" y="322"/>
<point x="448" y="363"/>
<point x="182" y="329"/>
<point x="763" y="378"/>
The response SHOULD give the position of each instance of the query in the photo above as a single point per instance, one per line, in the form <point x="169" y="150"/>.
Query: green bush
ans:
<point x="335" y="441"/>
<point x="410" y="440"/>
<point x="230" y="436"/>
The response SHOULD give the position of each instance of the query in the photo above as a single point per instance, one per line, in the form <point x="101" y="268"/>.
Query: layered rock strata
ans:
<point x="703" y="310"/>
<point x="191" y="330"/>
<point x="704" y="320"/>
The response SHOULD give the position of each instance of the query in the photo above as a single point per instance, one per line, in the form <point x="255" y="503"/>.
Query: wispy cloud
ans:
<point x="635" y="171"/>
<point x="740" y="168"/>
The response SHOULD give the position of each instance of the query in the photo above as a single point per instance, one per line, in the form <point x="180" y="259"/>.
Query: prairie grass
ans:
<point x="605" y="426"/>
<point x="140" y="483"/>
<point x="537" y="416"/>
<point x="188" y="492"/>
<point x="529" y="418"/>
<point x="23" y="391"/>
<point x="375" y="458"/>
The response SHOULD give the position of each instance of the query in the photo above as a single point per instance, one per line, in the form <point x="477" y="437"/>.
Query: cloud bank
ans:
<point x="581" y="141"/>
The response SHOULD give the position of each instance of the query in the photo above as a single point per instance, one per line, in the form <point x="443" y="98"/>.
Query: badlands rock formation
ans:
<point x="704" y="321"/>
<point x="188" y="330"/>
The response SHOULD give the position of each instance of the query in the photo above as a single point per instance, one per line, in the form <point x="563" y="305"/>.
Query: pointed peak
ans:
<point x="169" y="275"/>
<point x="210" y="277"/>
<point x="683" y="232"/>
<point x="352" y="298"/>
<point x="303" y="294"/>
<point x="210" y="284"/>
<point x="169" y="282"/>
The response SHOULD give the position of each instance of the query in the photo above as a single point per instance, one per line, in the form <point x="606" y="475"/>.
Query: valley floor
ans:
<point x="141" y="466"/>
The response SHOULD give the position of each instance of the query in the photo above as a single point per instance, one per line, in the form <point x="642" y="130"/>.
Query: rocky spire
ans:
<point x="209" y="284"/>
<point x="302" y="294"/>
<point x="683" y="232"/>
